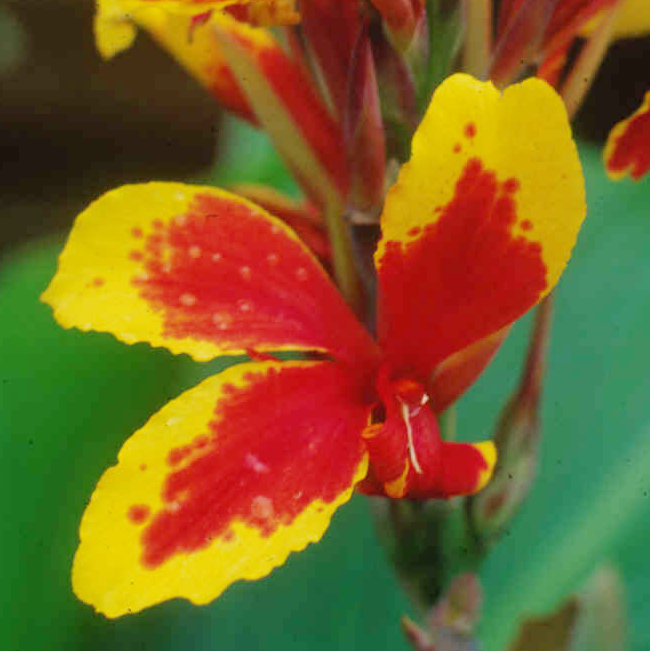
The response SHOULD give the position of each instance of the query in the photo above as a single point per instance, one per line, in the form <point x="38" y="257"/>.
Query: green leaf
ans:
<point x="590" y="501"/>
<point x="68" y="402"/>
<point x="70" y="399"/>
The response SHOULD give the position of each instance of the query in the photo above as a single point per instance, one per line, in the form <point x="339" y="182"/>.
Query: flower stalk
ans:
<point x="517" y="438"/>
<point x="478" y="37"/>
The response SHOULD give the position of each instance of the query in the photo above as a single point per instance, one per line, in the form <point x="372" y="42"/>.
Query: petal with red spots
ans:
<point x="221" y="485"/>
<point x="628" y="146"/>
<point x="199" y="271"/>
<point x="480" y="223"/>
<point x="302" y="216"/>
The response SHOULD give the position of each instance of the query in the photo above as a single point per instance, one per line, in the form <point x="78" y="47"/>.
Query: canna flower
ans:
<point x="627" y="150"/>
<point x="233" y="475"/>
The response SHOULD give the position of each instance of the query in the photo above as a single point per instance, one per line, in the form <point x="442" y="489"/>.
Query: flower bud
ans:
<point x="516" y="438"/>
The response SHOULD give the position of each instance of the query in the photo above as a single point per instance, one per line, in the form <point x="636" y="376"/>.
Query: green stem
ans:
<point x="447" y="422"/>
<point x="535" y="366"/>
<point x="445" y="31"/>
<point x="478" y="37"/>
<point x="586" y="66"/>
<point x="345" y="270"/>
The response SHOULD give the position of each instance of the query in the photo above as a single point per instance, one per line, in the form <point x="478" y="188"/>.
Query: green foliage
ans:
<point x="246" y="156"/>
<point x="590" y="501"/>
<point x="69" y="400"/>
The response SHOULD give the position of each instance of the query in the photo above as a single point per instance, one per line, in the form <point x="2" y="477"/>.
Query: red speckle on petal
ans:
<point x="511" y="185"/>
<point x="143" y="466"/>
<point x="138" y="513"/>
<point x="526" y="225"/>
<point x="470" y="130"/>
<point x="224" y="258"/>
<point x="136" y="256"/>
<point x="98" y="282"/>
<point x="137" y="232"/>
<point x="466" y="276"/>
<point x="457" y="148"/>
<point x="412" y="232"/>
<point x="176" y="455"/>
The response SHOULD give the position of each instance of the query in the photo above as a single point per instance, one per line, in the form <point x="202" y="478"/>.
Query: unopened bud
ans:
<point x="401" y="18"/>
<point x="365" y="130"/>
<point x="516" y="439"/>
<point x="452" y="620"/>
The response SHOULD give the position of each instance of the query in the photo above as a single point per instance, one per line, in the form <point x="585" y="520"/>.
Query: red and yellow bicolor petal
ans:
<point x="628" y="146"/>
<point x="481" y="221"/>
<point x="115" y="20"/>
<point x="199" y="271"/>
<point x="289" y="108"/>
<point x="407" y="457"/>
<point x="221" y="485"/>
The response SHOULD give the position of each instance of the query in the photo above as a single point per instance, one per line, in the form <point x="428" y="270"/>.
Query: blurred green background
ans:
<point x="68" y="400"/>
